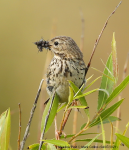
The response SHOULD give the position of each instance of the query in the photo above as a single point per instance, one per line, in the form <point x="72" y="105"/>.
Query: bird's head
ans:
<point x="61" y="46"/>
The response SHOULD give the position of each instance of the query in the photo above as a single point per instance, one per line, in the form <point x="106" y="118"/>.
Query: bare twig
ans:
<point x="119" y="98"/>
<point x="94" y="48"/>
<point x="65" y="118"/>
<point x="97" y="40"/>
<point x="19" y="134"/>
<point x="46" y="119"/>
<point x="31" y="116"/>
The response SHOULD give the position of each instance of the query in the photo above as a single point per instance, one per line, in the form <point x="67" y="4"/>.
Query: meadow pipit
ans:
<point x="67" y="64"/>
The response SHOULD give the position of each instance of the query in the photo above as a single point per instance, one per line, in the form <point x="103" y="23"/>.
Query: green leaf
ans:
<point x="83" y="126"/>
<point x="118" y="89"/>
<point x="116" y="145"/>
<point x="85" y="94"/>
<point x="36" y="147"/>
<point x="79" y="91"/>
<point x="33" y="146"/>
<point x="52" y="113"/>
<point x="127" y="125"/>
<point x="89" y="78"/>
<point x="82" y="100"/>
<point x="2" y="122"/>
<point x="63" y="106"/>
<point x="80" y="107"/>
<point x="71" y="135"/>
<point x="111" y="118"/>
<point x="59" y="143"/>
<point x="106" y="113"/>
<point x="71" y="94"/>
<point x="114" y="57"/>
<point x="106" y="83"/>
<point x="91" y="83"/>
<point x="97" y="140"/>
<point x="88" y="144"/>
<point x="104" y="74"/>
<point x="5" y="123"/>
<point x="123" y="139"/>
<point x="106" y="92"/>
<point x="70" y="148"/>
<point x="51" y="147"/>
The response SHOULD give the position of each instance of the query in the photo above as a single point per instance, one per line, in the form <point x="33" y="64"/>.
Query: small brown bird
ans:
<point x="67" y="64"/>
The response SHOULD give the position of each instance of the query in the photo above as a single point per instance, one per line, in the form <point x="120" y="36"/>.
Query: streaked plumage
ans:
<point x="67" y="64"/>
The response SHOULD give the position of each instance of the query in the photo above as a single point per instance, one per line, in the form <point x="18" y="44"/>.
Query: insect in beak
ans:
<point x="42" y="44"/>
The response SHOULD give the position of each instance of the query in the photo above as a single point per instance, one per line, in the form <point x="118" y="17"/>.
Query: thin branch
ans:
<point x="95" y="45"/>
<point x="119" y="98"/>
<point x="31" y="116"/>
<point x="19" y="135"/>
<point x="46" y="119"/>
<point x="65" y="118"/>
<point x="97" y="40"/>
<point x="84" y="129"/>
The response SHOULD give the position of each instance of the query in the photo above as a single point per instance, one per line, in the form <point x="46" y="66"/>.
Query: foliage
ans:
<point x="106" y="94"/>
<point x="5" y="122"/>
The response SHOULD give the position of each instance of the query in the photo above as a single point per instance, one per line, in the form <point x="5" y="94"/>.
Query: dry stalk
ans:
<point x="94" y="48"/>
<point x="119" y="98"/>
<point x="65" y="118"/>
<point x="31" y="116"/>
<point x="98" y="39"/>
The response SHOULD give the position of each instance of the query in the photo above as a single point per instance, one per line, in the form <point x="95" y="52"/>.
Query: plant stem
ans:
<point x="46" y="119"/>
<point x="31" y="116"/>
<point x="84" y="129"/>
<point x="64" y="120"/>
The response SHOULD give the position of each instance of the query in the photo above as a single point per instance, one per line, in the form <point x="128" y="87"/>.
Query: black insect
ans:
<point x="42" y="44"/>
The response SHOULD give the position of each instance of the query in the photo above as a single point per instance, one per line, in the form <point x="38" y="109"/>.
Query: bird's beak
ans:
<point x="43" y="44"/>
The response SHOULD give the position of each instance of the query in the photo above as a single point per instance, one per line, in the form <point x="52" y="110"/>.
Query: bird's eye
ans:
<point x="56" y="43"/>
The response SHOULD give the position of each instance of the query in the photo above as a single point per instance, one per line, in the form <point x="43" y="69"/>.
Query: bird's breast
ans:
<point x="60" y="71"/>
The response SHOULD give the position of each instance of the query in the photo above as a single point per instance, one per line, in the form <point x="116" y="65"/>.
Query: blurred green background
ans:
<point x="21" y="66"/>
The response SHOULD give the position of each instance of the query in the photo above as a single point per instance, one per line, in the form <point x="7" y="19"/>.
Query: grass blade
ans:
<point x="118" y="89"/>
<point x="52" y="113"/>
<point x="106" y="113"/>
<point x="106" y="83"/>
